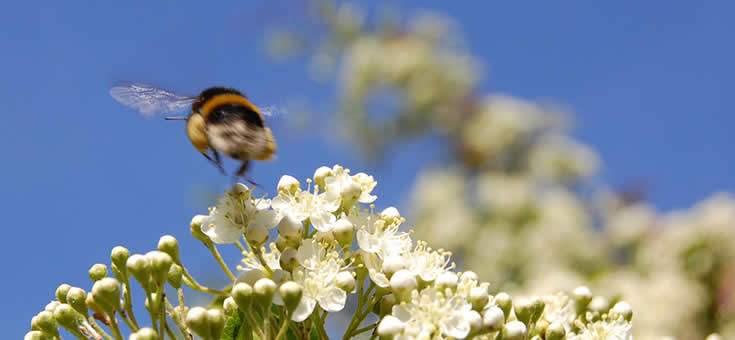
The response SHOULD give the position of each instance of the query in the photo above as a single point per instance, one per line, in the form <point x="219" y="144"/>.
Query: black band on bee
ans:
<point x="211" y="92"/>
<point x="228" y="113"/>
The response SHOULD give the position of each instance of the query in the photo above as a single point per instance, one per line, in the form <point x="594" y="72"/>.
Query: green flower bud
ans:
<point x="106" y="294"/>
<point x="196" y="230"/>
<point x="290" y="228"/>
<point x="536" y="337"/>
<point x="66" y="317"/>
<point x="504" y="301"/>
<point x="402" y="283"/>
<point x="62" y="291"/>
<point x="475" y="320"/>
<point x="175" y="275"/>
<point x="514" y="330"/>
<point x="196" y="320"/>
<point x="169" y="245"/>
<point x="242" y="293"/>
<point x="289" y="259"/>
<point x="714" y="336"/>
<point x="390" y="215"/>
<point x="523" y="309"/>
<point x="257" y="235"/>
<point x="493" y="319"/>
<point x="229" y="306"/>
<point x="264" y="290"/>
<point x="320" y="176"/>
<point x="288" y="184"/>
<point x="447" y="280"/>
<point x="46" y="323"/>
<point x="119" y="256"/>
<point x="153" y="302"/>
<point x="541" y="326"/>
<point x="538" y="308"/>
<point x="386" y="305"/>
<point x="93" y="305"/>
<point x="291" y="293"/>
<point x="76" y="297"/>
<point x="145" y="333"/>
<point x="350" y="192"/>
<point x="469" y="275"/>
<point x="51" y="306"/>
<point x="282" y="243"/>
<point x="346" y="281"/>
<point x="140" y="267"/>
<point x="390" y="326"/>
<point x="160" y="264"/>
<point x="344" y="231"/>
<point x="479" y="298"/>
<point x="35" y="335"/>
<point x="555" y="331"/>
<point x="216" y="320"/>
<point x="582" y="297"/>
<point x="98" y="272"/>
<point x="622" y="309"/>
<point x="34" y="323"/>
<point x="599" y="305"/>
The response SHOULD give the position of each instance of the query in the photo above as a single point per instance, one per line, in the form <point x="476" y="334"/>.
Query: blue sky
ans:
<point x="650" y="85"/>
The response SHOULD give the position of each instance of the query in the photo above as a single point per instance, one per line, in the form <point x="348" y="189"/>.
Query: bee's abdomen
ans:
<point x="230" y="113"/>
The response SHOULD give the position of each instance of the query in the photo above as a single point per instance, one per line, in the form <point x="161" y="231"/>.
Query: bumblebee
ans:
<point x="221" y="119"/>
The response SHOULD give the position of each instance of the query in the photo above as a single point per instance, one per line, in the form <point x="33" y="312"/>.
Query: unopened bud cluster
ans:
<point x="327" y="248"/>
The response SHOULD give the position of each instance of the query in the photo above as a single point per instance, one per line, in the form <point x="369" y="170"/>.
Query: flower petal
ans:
<point x="332" y="299"/>
<point x="304" y="309"/>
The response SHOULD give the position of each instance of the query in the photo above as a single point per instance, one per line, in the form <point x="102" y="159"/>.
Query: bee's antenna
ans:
<point x="175" y="118"/>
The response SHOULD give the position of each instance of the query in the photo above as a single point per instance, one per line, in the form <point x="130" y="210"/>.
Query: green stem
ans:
<point x="178" y="321"/>
<point x="128" y="304"/>
<point x="255" y="325"/>
<point x="361" y="312"/>
<point x="213" y="249"/>
<point x="168" y="330"/>
<point x="259" y="256"/>
<point x="193" y="284"/>
<point x="365" y="329"/>
<point x="113" y="327"/>
<point x="319" y="325"/>
<point x="240" y="246"/>
<point x="161" y="310"/>
<point x="152" y="310"/>
<point x="99" y="329"/>
<point x="284" y="326"/>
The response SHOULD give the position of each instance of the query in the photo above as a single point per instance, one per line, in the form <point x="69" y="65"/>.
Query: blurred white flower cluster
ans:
<point x="519" y="201"/>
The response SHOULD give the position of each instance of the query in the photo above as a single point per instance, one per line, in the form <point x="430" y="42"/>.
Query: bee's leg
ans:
<point x="216" y="161"/>
<point x="242" y="171"/>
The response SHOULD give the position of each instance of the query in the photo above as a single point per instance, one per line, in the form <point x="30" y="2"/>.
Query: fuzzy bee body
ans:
<point x="220" y="120"/>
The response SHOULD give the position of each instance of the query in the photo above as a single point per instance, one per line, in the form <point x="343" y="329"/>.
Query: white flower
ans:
<point x="367" y="184"/>
<point x="605" y="329"/>
<point x="431" y="312"/>
<point x="321" y="266"/>
<point x="235" y="213"/>
<point x="318" y="208"/>
<point x="375" y="236"/>
<point x="350" y="189"/>
<point x="426" y="263"/>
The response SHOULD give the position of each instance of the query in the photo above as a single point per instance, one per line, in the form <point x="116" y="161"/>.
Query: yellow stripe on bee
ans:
<point x="226" y="98"/>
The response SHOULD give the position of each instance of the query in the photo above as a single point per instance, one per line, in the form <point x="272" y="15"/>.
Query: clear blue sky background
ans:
<point x="651" y="84"/>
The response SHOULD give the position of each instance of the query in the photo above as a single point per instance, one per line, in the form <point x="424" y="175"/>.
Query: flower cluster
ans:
<point x="328" y="249"/>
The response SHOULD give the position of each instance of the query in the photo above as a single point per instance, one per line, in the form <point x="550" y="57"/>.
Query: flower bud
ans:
<point x="514" y="330"/>
<point x="320" y="176"/>
<point x="263" y="290"/>
<point x="402" y="283"/>
<point x="196" y="229"/>
<point x="447" y="280"/>
<point x="160" y="264"/>
<point x="290" y="228"/>
<point x="538" y="308"/>
<point x="229" y="306"/>
<point x="346" y="281"/>
<point x="216" y="320"/>
<point x="344" y="231"/>
<point x="250" y="276"/>
<point x="257" y="235"/>
<point x="106" y="294"/>
<point x="599" y="304"/>
<point x="119" y="256"/>
<point x="622" y="309"/>
<point x="714" y="336"/>
<point x="493" y="319"/>
<point x="93" y="305"/>
<point x="140" y="267"/>
<point x="392" y="264"/>
<point x="66" y="317"/>
<point x="390" y="215"/>
<point x="242" y="293"/>
<point x="479" y="298"/>
<point x="291" y="293"/>
<point x="475" y="320"/>
<point x="175" y="276"/>
<point x="289" y="259"/>
<point x="289" y="184"/>
<point x="62" y="291"/>
<point x="76" y="297"/>
<point x="540" y="326"/>
<point x="555" y="331"/>
<point x="582" y="296"/>
<point x="51" y="306"/>
<point x="523" y="309"/>
<point x="386" y="305"/>
<point x="46" y="323"/>
<point x="469" y="275"/>
<point x="145" y="333"/>
<point x="390" y="326"/>
<point x="98" y="272"/>
<point x="505" y="303"/>
<point x="35" y="335"/>
<point x="350" y="192"/>
<point x="196" y="320"/>
<point x="169" y="245"/>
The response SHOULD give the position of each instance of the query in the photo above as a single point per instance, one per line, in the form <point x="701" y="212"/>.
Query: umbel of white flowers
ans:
<point x="328" y="247"/>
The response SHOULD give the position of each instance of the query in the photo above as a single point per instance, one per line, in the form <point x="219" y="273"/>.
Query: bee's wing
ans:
<point x="149" y="100"/>
<point x="271" y="110"/>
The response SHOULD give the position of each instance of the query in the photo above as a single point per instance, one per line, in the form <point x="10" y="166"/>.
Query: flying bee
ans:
<point x="221" y="119"/>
